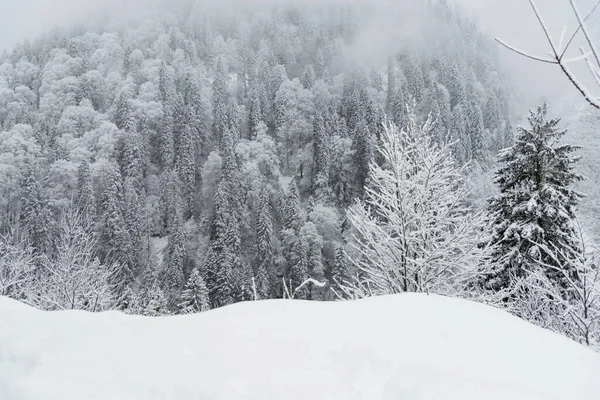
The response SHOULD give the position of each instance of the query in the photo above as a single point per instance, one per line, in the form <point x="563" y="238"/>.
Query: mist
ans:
<point x="512" y="20"/>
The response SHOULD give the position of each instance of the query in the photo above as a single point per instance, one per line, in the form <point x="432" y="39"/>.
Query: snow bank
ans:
<point x="398" y="347"/>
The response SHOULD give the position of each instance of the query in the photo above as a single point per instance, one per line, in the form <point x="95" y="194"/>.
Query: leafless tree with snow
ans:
<point x="558" y="52"/>
<point x="413" y="231"/>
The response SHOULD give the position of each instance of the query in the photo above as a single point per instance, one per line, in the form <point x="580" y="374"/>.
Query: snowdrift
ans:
<point x="397" y="347"/>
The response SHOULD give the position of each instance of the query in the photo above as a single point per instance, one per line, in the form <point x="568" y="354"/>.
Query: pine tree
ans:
<point x="220" y="100"/>
<point x="363" y="154"/>
<point x="321" y="155"/>
<point x="166" y="85"/>
<point x="298" y="270"/>
<point x="264" y="247"/>
<point x="186" y="167"/>
<point x="156" y="302"/>
<point x="174" y="274"/>
<point x="475" y="130"/>
<point x="194" y="298"/>
<point x="167" y="145"/>
<point x="414" y="79"/>
<point x="135" y="217"/>
<point x="255" y="113"/>
<point x="86" y="203"/>
<point x="122" y="111"/>
<point x="392" y="90"/>
<point x="36" y="217"/>
<point x="509" y="136"/>
<point x="291" y="208"/>
<point x="491" y="116"/>
<point x="460" y="135"/>
<point x="533" y="214"/>
<point x="339" y="272"/>
<point x="115" y="243"/>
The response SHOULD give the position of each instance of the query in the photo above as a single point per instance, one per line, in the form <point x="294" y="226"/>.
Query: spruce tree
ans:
<point x="115" y="243"/>
<point x="86" y="203"/>
<point x="475" y="130"/>
<point x="390" y="103"/>
<point x="532" y="217"/>
<point x="220" y="100"/>
<point x="186" y="168"/>
<point x="175" y="257"/>
<point x="36" y="217"/>
<point x="298" y="270"/>
<point x="194" y="298"/>
<point x="339" y="272"/>
<point x="166" y="143"/>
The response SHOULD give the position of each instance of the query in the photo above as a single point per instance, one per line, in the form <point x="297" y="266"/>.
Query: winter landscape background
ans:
<point x="164" y="158"/>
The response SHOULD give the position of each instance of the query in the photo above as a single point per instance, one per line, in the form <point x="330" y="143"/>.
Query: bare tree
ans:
<point x="17" y="264"/>
<point x="413" y="231"/>
<point x="573" y="310"/>
<point x="74" y="278"/>
<point x="558" y="51"/>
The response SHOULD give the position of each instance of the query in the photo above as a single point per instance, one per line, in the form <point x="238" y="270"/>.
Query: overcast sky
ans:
<point x="510" y="19"/>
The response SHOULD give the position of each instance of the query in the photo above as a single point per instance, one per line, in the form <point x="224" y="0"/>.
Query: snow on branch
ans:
<point x="557" y="53"/>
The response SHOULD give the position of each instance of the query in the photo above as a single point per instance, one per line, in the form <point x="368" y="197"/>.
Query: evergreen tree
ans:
<point x="36" y="217"/>
<point x="264" y="247"/>
<point x="339" y="272"/>
<point x="392" y="90"/>
<point x="491" y="116"/>
<point x="414" y="79"/>
<point x="220" y="100"/>
<point x="460" y="135"/>
<point x="291" y="208"/>
<point x="255" y="113"/>
<point x="86" y="202"/>
<point x="134" y="215"/>
<point x="298" y="270"/>
<point x="122" y="111"/>
<point x="475" y="130"/>
<point x="321" y="156"/>
<point x="167" y="145"/>
<point x="186" y="167"/>
<point x="194" y="298"/>
<point x="363" y="147"/>
<point x="156" y="302"/>
<point x="509" y="136"/>
<point x="532" y="216"/>
<point x="174" y="260"/>
<point x="115" y="241"/>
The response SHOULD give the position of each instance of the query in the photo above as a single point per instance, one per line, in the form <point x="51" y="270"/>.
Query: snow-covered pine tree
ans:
<point x="220" y="100"/>
<point x="339" y="271"/>
<point x="86" y="202"/>
<point x="115" y="243"/>
<point x="390" y="103"/>
<point x="475" y="130"/>
<point x="536" y="204"/>
<point x="264" y="248"/>
<point x="166" y="143"/>
<point x="36" y="217"/>
<point x="194" y="297"/>
<point x="174" y="279"/>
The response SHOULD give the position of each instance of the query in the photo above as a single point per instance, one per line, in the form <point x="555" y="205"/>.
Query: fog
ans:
<point x="512" y="20"/>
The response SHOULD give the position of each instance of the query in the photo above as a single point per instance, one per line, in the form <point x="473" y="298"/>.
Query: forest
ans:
<point x="221" y="154"/>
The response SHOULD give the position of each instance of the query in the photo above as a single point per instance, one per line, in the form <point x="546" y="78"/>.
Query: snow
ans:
<point x="405" y="346"/>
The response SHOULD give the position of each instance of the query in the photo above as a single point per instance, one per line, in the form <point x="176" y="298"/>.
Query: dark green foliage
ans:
<point x="532" y="217"/>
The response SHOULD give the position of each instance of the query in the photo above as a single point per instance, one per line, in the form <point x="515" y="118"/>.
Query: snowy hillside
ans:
<point x="399" y="347"/>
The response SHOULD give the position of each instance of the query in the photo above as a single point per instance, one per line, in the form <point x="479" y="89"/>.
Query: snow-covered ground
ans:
<point x="398" y="347"/>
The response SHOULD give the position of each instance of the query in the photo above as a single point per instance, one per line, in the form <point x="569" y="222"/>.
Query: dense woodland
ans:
<point x="208" y="157"/>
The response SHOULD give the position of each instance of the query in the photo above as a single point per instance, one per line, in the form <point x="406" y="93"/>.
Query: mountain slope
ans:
<point x="396" y="347"/>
